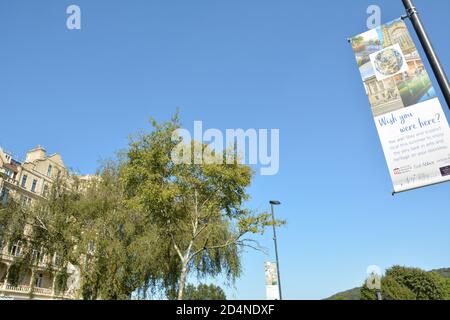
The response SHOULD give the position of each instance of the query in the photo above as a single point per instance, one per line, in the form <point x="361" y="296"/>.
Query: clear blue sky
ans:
<point x="233" y="64"/>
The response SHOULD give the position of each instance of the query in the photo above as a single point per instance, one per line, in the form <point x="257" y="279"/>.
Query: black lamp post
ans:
<point x="438" y="70"/>
<point x="276" y="203"/>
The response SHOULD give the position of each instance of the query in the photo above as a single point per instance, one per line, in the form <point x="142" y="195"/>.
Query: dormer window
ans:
<point x="49" y="170"/>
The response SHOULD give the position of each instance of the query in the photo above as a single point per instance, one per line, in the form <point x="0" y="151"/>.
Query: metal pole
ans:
<point x="429" y="50"/>
<point x="379" y="297"/>
<point x="276" y="251"/>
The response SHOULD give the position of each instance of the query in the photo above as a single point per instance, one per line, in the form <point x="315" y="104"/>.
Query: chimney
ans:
<point x="37" y="153"/>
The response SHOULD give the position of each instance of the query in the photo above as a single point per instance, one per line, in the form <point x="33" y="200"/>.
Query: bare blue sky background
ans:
<point x="233" y="64"/>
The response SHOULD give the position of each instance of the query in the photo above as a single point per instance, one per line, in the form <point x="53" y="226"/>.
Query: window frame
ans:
<point x="23" y="183"/>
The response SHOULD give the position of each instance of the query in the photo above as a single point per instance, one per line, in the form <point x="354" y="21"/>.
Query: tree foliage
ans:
<point x="38" y="233"/>
<point x="402" y="283"/>
<point x="204" y="292"/>
<point x="197" y="209"/>
<point x="114" y="240"/>
<point x="85" y="225"/>
<point x="142" y="224"/>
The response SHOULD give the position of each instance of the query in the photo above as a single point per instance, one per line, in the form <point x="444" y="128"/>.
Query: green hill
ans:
<point x="352" y="294"/>
<point x="355" y="293"/>
<point x="444" y="272"/>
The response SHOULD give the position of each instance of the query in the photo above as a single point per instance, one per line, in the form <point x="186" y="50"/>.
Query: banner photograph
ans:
<point x="271" y="272"/>
<point x="411" y="123"/>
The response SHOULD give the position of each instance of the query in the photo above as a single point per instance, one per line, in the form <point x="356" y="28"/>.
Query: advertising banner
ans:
<point x="411" y="123"/>
<point x="272" y="290"/>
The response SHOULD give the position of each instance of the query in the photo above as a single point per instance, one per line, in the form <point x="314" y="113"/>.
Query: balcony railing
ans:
<point x="23" y="289"/>
<point x="7" y="257"/>
<point x="39" y="263"/>
<point x="10" y="180"/>
<point x="43" y="291"/>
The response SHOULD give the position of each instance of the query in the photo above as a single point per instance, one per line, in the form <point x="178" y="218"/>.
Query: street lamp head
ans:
<point x="275" y="202"/>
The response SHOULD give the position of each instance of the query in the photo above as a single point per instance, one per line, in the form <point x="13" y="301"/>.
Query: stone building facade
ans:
<point x="397" y="32"/>
<point x="28" y="181"/>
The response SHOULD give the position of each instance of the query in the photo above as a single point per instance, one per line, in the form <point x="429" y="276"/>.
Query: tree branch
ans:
<point x="176" y="246"/>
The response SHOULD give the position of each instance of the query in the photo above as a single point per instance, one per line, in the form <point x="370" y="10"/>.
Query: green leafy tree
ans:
<point x="197" y="209"/>
<point x="113" y="241"/>
<point x="358" y="40"/>
<point x="142" y="224"/>
<point x="204" y="292"/>
<point x="447" y="288"/>
<point x="391" y="290"/>
<point x="84" y="223"/>
<point x="37" y="235"/>
<point x="402" y="283"/>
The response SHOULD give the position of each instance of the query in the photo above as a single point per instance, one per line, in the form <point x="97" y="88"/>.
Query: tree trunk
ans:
<point x="182" y="282"/>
